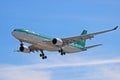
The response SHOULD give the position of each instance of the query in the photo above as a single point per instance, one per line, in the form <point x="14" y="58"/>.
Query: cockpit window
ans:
<point x="19" y="30"/>
<point x="14" y="30"/>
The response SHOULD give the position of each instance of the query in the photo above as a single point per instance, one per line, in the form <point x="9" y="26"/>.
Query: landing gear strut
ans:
<point x="42" y="55"/>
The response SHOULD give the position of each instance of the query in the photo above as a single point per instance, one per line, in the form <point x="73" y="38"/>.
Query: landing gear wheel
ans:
<point x="63" y="53"/>
<point x="41" y="55"/>
<point x="44" y="57"/>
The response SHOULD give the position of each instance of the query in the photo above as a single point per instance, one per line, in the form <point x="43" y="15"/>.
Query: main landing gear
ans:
<point x="62" y="52"/>
<point x="42" y="55"/>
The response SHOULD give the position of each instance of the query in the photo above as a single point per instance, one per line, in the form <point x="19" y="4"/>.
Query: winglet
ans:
<point x="115" y="28"/>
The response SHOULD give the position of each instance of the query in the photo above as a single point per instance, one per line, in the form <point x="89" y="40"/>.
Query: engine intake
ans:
<point x="57" y="41"/>
<point x="24" y="49"/>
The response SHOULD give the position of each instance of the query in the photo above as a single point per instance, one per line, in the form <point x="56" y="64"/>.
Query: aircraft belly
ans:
<point x="47" y="47"/>
<point x="70" y="49"/>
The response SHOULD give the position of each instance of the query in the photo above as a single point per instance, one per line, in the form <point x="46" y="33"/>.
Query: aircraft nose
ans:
<point x="13" y="32"/>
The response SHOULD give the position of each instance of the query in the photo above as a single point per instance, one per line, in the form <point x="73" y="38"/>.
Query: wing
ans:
<point x="69" y="40"/>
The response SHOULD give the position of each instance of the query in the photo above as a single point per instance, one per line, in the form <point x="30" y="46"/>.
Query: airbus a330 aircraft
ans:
<point x="41" y="42"/>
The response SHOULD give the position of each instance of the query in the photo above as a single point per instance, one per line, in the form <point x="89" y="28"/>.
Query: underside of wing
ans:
<point x="33" y="48"/>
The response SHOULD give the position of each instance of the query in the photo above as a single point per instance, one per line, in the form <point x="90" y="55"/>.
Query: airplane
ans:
<point x="41" y="42"/>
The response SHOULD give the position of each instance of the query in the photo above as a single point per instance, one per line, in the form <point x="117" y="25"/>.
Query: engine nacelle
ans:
<point x="24" y="49"/>
<point x="57" y="41"/>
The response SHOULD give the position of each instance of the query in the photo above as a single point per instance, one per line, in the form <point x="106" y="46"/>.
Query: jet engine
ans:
<point x="57" y="41"/>
<point x="24" y="49"/>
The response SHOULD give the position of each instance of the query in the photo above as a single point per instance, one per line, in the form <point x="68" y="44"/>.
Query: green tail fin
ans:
<point x="82" y="42"/>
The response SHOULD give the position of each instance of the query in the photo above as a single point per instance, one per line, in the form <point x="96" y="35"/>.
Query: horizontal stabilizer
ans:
<point x="93" y="46"/>
<point x="16" y="51"/>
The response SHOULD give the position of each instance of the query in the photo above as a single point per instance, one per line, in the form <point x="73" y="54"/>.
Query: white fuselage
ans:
<point x="40" y="42"/>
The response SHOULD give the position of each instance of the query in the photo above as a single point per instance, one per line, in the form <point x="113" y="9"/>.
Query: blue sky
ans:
<point x="63" y="18"/>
